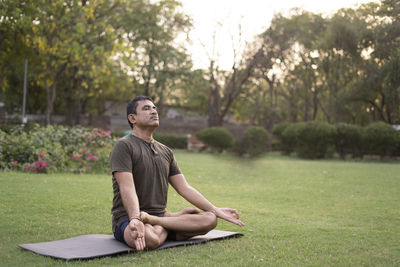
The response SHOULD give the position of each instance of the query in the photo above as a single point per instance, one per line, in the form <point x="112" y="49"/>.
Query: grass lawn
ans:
<point x="297" y="213"/>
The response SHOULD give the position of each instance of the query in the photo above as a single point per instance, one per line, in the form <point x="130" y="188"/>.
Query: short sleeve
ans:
<point x="174" y="169"/>
<point x="121" y="157"/>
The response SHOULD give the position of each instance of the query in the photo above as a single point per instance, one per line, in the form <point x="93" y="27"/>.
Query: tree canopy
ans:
<point x="304" y="67"/>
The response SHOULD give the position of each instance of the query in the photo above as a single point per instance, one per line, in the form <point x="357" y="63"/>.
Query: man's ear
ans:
<point x="132" y="118"/>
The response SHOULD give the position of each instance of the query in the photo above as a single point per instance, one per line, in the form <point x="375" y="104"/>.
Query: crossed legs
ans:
<point x="185" y="223"/>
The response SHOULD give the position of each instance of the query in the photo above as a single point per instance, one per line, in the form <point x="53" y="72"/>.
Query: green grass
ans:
<point x="297" y="213"/>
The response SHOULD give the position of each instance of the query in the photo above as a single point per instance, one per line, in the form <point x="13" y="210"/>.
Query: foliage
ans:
<point x="82" y="53"/>
<point x="290" y="137"/>
<point x="156" y="62"/>
<point x="217" y="138"/>
<point x="308" y="139"/>
<point x="397" y="150"/>
<point x="380" y="139"/>
<point x="314" y="139"/>
<point x="348" y="140"/>
<point x="338" y="68"/>
<point x="55" y="148"/>
<point x="254" y="142"/>
<point x="172" y="140"/>
<point x="277" y="132"/>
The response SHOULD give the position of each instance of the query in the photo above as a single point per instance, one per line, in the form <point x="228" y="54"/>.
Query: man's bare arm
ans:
<point x="197" y="199"/>
<point x="131" y="205"/>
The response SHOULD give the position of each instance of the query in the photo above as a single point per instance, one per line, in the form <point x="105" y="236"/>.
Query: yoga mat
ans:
<point x="99" y="245"/>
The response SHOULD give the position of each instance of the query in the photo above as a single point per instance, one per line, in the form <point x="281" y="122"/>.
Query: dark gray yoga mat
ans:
<point x="97" y="245"/>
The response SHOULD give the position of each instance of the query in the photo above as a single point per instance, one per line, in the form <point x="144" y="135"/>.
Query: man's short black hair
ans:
<point x="132" y="105"/>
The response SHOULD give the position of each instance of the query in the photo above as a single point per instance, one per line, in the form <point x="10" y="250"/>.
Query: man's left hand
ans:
<point x="230" y="215"/>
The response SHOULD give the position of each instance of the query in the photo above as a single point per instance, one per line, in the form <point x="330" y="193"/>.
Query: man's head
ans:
<point x="142" y="109"/>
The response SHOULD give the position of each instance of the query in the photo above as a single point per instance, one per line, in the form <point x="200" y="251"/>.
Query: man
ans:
<point x="142" y="168"/>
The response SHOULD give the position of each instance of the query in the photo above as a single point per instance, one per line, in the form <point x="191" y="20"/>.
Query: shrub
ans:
<point x="55" y="148"/>
<point x="172" y="140"/>
<point x="314" y="139"/>
<point x="348" y="140"/>
<point x="218" y="138"/>
<point x="289" y="137"/>
<point x="380" y="139"/>
<point x="254" y="142"/>
<point x="277" y="132"/>
<point x="397" y="150"/>
<point x="120" y="134"/>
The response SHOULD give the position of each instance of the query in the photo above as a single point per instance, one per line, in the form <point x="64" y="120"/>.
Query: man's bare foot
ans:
<point x="144" y="216"/>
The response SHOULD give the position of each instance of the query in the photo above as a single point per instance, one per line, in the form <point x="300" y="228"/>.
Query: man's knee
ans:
<point x="210" y="220"/>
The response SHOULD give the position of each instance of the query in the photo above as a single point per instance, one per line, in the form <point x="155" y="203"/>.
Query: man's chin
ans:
<point x="155" y="123"/>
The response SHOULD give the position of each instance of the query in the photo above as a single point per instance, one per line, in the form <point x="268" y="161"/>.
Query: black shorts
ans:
<point x="120" y="229"/>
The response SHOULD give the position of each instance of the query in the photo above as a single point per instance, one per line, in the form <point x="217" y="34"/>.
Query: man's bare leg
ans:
<point x="188" y="223"/>
<point x="187" y="210"/>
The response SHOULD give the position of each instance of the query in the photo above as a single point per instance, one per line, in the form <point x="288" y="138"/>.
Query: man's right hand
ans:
<point x="138" y="226"/>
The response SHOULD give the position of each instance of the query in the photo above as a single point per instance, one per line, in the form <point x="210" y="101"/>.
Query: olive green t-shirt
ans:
<point x="151" y="163"/>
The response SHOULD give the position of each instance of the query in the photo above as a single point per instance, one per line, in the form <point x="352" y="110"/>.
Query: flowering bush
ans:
<point x="83" y="162"/>
<point x="13" y="164"/>
<point x="55" y="149"/>
<point x="97" y="137"/>
<point x="37" y="166"/>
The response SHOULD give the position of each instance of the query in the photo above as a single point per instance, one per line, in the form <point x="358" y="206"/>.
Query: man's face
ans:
<point x="146" y="114"/>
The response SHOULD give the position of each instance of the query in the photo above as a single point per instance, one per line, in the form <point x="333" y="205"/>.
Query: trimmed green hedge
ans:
<point x="317" y="139"/>
<point x="349" y="140"/>
<point x="254" y="142"/>
<point x="175" y="141"/>
<point x="380" y="139"/>
<point x="277" y="131"/>
<point x="314" y="139"/>
<point x="217" y="138"/>
<point x="397" y="150"/>
<point x="289" y="138"/>
<point x="308" y="139"/>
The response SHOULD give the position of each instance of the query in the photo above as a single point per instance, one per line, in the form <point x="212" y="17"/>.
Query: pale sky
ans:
<point x="254" y="16"/>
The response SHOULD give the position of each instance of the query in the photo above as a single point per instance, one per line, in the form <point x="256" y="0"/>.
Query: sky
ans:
<point x="221" y="18"/>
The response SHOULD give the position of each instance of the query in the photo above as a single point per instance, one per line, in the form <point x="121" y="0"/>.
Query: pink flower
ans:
<point x="27" y="167"/>
<point x="41" y="155"/>
<point x="84" y="151"/>
<point x="77" y="158"/>
<point x="90" y="157"/>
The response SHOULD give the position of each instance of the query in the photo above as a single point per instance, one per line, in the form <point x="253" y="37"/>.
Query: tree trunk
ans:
<point x="51" y="92"/>
<point x="214" y="108"/>
<point x="315" y="105"/>
<point x="73" y="112"/>
<point x="50" y="97"/>
<point x="73" y="102"/>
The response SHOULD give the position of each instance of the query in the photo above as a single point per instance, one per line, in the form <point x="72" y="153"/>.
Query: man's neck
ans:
<point x="145" y="134"/>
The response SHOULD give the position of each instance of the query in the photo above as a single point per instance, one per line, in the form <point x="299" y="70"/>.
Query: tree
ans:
<point x="156" y="61"/>
<point x="226" y="86"/>
<point x="329" y="66"/>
